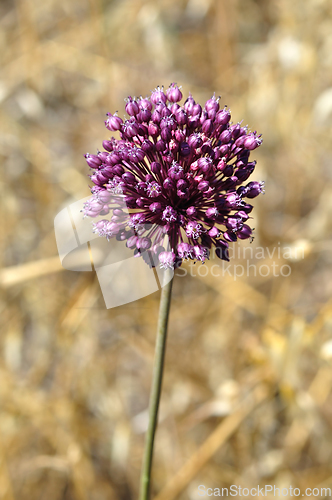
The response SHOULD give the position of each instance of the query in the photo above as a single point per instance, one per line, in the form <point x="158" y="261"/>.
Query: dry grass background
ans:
<point x="247" y="391"/>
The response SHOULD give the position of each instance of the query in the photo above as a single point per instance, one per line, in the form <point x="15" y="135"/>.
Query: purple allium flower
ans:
<point x="178" y="171"/>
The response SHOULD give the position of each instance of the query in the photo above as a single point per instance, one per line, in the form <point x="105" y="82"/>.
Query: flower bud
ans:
<point x="252" y="142"/>
<point x="201" y="252"/>
<point x="185" y="149"/>
<point x="155" y="167"/>
<point x="224" y="149"/>
<point x="193" y="122"/>
<point x="203" y="117"/>
<point x="140" y="202"/>
<point x="179" y="135"/>
<point x="168" y="184"/>
<point x="174" y="146"/>
<point x="245" y="232"/>
<point x="232" y="200"/>
<point x="189" y="105"/>
<point x="118" y="170"/>
<point x="191" y="211"/>
<point x="182" y="193"/>
<point x="166" y="134"/>
<point x="176" y="172"/>
<point x="205" y="164"/>
<point x="215" y="153"/>
<point x="242" y="214"/>
<point x="129" y="178"/>
<point x="207" y="126"/>
<point x="222" y="250"/>
<point x="131" y="107"/>
<point x="165" y="112"/>
<point x="108" y="171"/>
<point x="240" y="141"/>
<point x="154" y="130"/>
<point x="92" y="160"/>
<point x="182" y="184"/>
<point x="108" y="145"/>
<point x="212" y="213"/>
<point x="155" y="207"/>
<point x="103" y="156"/>
<point x="181" y="116"/>
<point x="229" y="183"/>
<point x="174" y="108"/>
<point x="131" y="242"/>
<point x="101" y="224"/>
<point x="197" y="110"/>
<point x="99" y="179"/>
<point x="225" y="136"/>
<point x="230" y="236"/>
<point x="121" y="236"/>
<point x="130" y="128"/>
<point x="212" y="114"/>
<point x="234" y="223"/>
<point x="145" y="103"/>
<point x="168" y="157"/>
<point x="206" y="148"/>
<point x="235" y="130"/>
<point x="195" y="141"/>
<point x="104" y="196"/>
<point x="141" y="187"/>
<point x="168" y="122"/>
<point x="214" y="232"/>
<point x="113" y="159"/>
<point x="160" y="145"/>
<point x="222" y="117"/>
<point x="173" y="93"/>
<point x="143" y="243"/>
<point x="228" y="171"/>
<point x="212" y="103"/>
<point x="158" y="96"/>
<point x="147" y="146"/>
<point x="167" y="260"/>
<point x="144" y="114"/>
<point x="243" y="173"/>
<point x="113" y="122"/>
<point x="112" y="228"/>
<point x="118" y="212"/>
<point x="130" y="201"/>
<point x="203" y="186"/>
<point x="156" y="117"/>
<point x="185" y="250"/>
<point x="254" y="188"/>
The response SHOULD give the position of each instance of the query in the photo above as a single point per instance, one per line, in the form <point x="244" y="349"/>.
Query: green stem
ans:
<point x="165" y="302"/>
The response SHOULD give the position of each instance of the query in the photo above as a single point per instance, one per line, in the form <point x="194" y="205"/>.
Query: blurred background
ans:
<point x="247" y="389"/>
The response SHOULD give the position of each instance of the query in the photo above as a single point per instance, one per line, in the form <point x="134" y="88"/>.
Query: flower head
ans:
<point x="180" y="171"/>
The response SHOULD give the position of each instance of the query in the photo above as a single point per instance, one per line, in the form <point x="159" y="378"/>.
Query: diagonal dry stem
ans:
<point x="211" y="445"/>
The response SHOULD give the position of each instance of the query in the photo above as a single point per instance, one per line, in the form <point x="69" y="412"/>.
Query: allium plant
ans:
<point x="182" y="171"/>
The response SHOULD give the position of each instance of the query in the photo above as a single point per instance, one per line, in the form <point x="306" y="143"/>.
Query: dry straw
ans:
<point x="74" y="393"/>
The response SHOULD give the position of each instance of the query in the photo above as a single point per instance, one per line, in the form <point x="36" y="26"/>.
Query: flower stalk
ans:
<point x="165" y="302"/>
